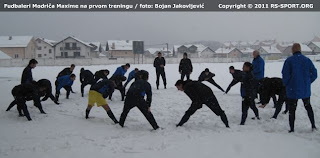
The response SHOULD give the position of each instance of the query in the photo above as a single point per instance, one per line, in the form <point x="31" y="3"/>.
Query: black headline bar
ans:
<point x="160" y="5"/>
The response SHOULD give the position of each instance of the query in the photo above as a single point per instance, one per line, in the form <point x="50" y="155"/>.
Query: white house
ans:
<point x="45" y="48"/>
<point x="22" y="47"/>
<point x="228" y="53"/>
<point x="271" y="52"/>
<point x="72" y="47"/>
<point x="120" y="48"/>
<point x="315" y="47"/>
<point x="193" y="51"/>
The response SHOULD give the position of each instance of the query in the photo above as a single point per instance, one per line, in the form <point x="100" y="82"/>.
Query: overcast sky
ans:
<point x="163" y="27"/>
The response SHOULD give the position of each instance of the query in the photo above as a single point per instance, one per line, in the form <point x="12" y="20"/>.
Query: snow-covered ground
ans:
<point x="64" y="132"/>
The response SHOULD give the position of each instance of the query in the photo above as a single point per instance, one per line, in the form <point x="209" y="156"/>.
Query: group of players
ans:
<point x="298" y="74"/>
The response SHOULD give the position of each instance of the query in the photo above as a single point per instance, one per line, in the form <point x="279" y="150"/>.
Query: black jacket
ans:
<point x="139" y="89"/>
<point x="86" y="75"/>
<point x="26" y="75"/>
<point x="158" y="62"/>
<point x="28" y="91"/>
<point x="248" y="85"/>
<point x="48" y="93"/>
<point x="65" y="71"/>
<point x="104" y="87"/>
<point x="198" y="92"/>
<point x="237" y="76"/>
<point x="270" y="87"/>
<point x="185" y="66"/>
<point x="203" y="76"/>
<point x="99" y="75"/>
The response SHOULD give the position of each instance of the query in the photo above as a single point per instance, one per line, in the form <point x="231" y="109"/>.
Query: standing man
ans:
<point x="135" y="98"/>
<point x="247" y="93"/>
<point x="200" y="94"/>
<point x="159" y="63"/>
<point x="237" y="75"/>
<point x="185" y="67"/>
<point x="86" y="77"/>
<point x="206" y="75"/>
<point x="298" y="73"/>
<point x="258" y="70"/>
<point x="27" y="73"/>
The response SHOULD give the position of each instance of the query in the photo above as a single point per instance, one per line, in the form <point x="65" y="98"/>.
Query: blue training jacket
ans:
<point x="64" y="81"/>
<point x="298" y="73"/>
<point x="258" y="68"/>
<point x="120" y="71"/>
<point x="131" y="76"/>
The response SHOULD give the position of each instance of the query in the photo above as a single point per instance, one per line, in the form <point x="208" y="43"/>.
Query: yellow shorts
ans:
<point x="95" y="97"/>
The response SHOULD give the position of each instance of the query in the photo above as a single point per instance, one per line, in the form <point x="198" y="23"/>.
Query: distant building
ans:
<point x="270" y="52"/>
<point x="153" y="52"/>
<point x="45" y="48"/>
<point x="247" y="52"/>
<point x="120" y="48"/>
<point x="304" y="50"/>
<point x="96" y="50"/>
<point x="315" y="47"/>
<point x="315" y="39"/>
<point x="193" y="51"/>
<point x="228" y="53"/>
<point x="22" y="47"/>
<point x="72" y="47"/>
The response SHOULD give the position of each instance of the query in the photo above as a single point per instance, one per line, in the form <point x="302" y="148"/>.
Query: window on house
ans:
<point x="67" y="45"/>
<point x="76" y="54"/>
<point x="50" y="51"/>
<point x="44" y="47"/>
<point x="16" y="55"/>
<point x="74" y="45"/>
<point x="61" y="48"/>
<point x="39" y="55"/>
<point x="45" y="54"/>
<point x="39" y="48"/>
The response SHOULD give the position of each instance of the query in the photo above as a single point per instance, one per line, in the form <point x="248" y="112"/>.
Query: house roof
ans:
<point x="247" y="50"/>
<point x="155" y="50"/>
<point x="4" y="55"/>
<point x="85" y="43"/>
<point x="15" y="41"/>
<point x="120" y="44"/>
<point x="200" y="47"/>
<point x="271" y="49"/>
<point x="224" y="50"/>
<point x="50" y="42"/>
<point x="315" y="39"/>
<point x="316" y="43"/>
<point x="97" y="44"/>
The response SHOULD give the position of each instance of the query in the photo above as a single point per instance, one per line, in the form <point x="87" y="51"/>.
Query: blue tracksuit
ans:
<point x="258" y="68"/>
<point x="120" y="71"/>
<point x="131" y="76"/>
<point x="298" y="73"/>
<point x="64" y="81"/>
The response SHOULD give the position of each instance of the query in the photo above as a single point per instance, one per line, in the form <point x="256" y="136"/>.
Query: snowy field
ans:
<point x="64" y="132"/>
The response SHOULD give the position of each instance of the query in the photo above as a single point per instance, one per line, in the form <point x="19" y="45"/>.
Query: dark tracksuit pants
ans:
<point x="212" y="103"/>
<point x="21" y="106"/>
<point x="163" y="76"/>
<point x="67" y="88"/>
<point x="215" y="84"/>
<point x="183" y="74"/>
<point x="292" y="111"/>
<point x="140" y="103"/>
<point x="278" y="105"/>
<point x="248" y="102"/>
<point x="122" y="92"/>
<point x="84" y="84"/>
